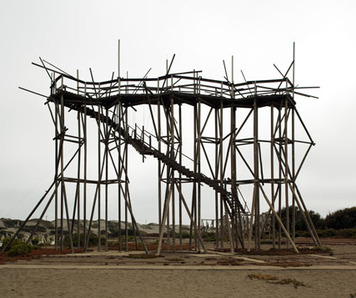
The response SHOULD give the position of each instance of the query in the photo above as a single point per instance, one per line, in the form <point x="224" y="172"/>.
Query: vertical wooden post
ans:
<point x="85" y="175"/>
<point x="180" y="179"/>
<point x="120" y="169"/>
<point x="221" y="142"/>
<point x="217" y="126"/>
<point x="280" y="176"/>
<point x="197" y="244"/>
<point x="293" y="149"/>
<point x="273" y="224"/>
<point x="233" y="172"/>
<point x="159" y="162"/>
<point x="62" y="131"/>
<point x="106" y="130"/>
<point x="126" y="181"/>
<point x="256" y="174"/>
<point x="286" y="167"/>
<point x="172" y="178"/>
<point x="99" y="179"/>
<point x="79" y="167"/>
<point x="56" y="178"/>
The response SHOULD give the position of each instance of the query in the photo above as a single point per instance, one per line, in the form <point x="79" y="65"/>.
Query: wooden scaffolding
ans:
<point x="232" y="148"/>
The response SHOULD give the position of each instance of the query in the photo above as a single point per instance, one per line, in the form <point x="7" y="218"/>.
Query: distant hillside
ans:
<point x="46" y="228"/>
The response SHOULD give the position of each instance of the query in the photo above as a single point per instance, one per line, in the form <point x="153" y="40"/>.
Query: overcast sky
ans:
<point x="82" y="34"/>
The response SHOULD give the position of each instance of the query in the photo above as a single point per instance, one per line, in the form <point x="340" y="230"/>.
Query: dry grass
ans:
<point x="176" y="260"/>
<point x="262" y="276"/>
<point x="35" y="254"/>
<point x="143" y="256"/>
<point x="286" y="264"/>
<point x="275" y="280"/>
<point x="229" y="262"/>
<point x="288" y="281"/>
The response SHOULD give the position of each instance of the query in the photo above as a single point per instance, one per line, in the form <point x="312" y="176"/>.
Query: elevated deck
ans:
<point x="187" y="88"/>
<point x="275" y="100"/>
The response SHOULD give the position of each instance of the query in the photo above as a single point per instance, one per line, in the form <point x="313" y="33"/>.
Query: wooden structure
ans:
<point x="232" y="148"/>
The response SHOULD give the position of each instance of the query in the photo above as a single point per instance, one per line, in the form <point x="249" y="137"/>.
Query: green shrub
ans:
<point x="18" y="248"/>
<point x="93" y="240"/>
<point x="208" y="236"/>
<point x="328" y="233"/>
<point x="35" y="241"/>
<point x="185" y="235"/>
<point x="342" y="219"/>
<point x="348" y="233"/>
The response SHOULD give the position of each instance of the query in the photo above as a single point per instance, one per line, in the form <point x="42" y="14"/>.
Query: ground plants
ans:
<point x="17" y="248"/>
<point x="275" y="280"/>
<point x="288" y="281"/>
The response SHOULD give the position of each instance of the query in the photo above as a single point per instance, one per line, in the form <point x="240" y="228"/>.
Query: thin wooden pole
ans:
<point x="61" y="170"/>
<point x="99" y="180"/>
<point x="85" y="175"/>
<point x="180" y="180"/>
<point x="106" y="179"/>
<point x="79" y="177"/>
<point x="273" y="225"/>
<point x="172" y="177"/>
<point x="221" y="142"/>
<point x="126" y="182"/>
<point x="216" y="177"/>
<point x="159" y="162"/>
<point x="168" y="169"/>
<point x="79" y="167"/>
<point x="256" y="174"/>
<point x="120" y="168"/>
<point x="118" y="60"/>
<point x="199" y="144"/>
<point x="56" y="177"/>
<point x="293" y="149"/>
<point x="286" y="190"/>
<point x="233" y="172"/>
<point x="280" y="178"/>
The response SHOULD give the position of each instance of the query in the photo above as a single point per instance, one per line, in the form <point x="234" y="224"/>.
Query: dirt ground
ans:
<point x="186" y="274"/>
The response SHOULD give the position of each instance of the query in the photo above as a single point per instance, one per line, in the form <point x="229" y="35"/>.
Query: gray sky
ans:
<point x="82" y="34"/>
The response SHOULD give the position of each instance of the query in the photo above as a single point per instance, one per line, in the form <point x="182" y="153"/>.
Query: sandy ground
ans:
<point x="214" y="274"/>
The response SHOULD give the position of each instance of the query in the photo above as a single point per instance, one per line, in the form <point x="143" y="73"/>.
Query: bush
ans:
<point x="35" y="241"/>
<point x="328" y="233"/>
<point x="300" y="224"/>
<point x="185" y="235"/>
<point x="114" y="232"/>
<point x="342" y="219"/>
<point x="208" y="236"/>
<point x="348" y="233"/>
<point x="18" y="248"/>
<point x="93" y="240"/>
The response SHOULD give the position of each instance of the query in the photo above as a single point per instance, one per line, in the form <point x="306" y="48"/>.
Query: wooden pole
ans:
<point x="180" y="180"/>
<point x="79" y="167"/>
<point x="221" y="142"/>
<point x="273" y="224"/>
<point x="85" y="176"/>
<point x="286" y="190"/>
<point x="56" y="177"/>
<point x="99" y="180"/>
<point x="216" y="177"/>
<point x="256" y="174"/>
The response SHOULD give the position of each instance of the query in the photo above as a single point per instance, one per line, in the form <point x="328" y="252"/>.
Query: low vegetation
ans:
<point x="276" y="280"/>
<point x="341" y="223"/>
<point x="17" y="248"/>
